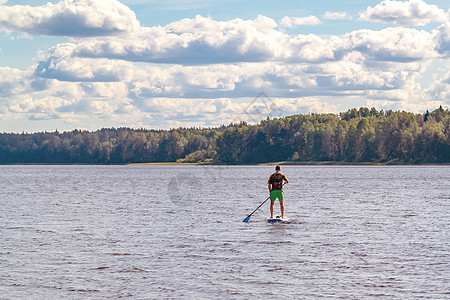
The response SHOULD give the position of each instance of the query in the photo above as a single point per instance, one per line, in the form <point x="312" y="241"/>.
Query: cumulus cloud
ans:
<point x="305" y="65"/>
<point x="223" y="110"/>
<point x="75" y="18"/>
<point x="412" y="13"/>
<point x="59" y="64"/>
<point x="3" y="1"/>
<point x="205" y="41"/>
<point x="191" y="106"/>
<point x="211" y="66"/>
<point x="194" y="41"/>
<point x="14" y="82"/>
<point x="405" y="105"/>
<point x="441" y="37"/>
<point x="391" y="44"/>
<point x="440" y="89"/>
<point x="290" y="106"/>
<point x="289" y="22"/>
<point x="336" y="16"/>
<point x="73" y="102"/>
<point x="243" y="80"/>
<point x="205" y="95"/>
<point x="66" y="100"/>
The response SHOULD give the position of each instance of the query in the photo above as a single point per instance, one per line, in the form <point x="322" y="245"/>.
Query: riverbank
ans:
<point x="287" y="163"/>
<point x="295" y="163"/>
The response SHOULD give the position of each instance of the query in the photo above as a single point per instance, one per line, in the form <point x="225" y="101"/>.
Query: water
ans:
<point x="176" y="232"/>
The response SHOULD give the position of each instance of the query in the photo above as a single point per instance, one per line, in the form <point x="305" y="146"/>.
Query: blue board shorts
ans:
<point x="276" y="194"/>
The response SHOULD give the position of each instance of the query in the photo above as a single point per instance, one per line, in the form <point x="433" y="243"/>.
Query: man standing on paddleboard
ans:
<point x="276" y="181"/>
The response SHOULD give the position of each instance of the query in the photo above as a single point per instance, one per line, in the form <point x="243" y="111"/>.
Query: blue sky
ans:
<point x="161" y="64"/>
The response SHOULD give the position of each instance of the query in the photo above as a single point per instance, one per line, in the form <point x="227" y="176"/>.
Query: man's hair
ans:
<point x="277" y="168"/>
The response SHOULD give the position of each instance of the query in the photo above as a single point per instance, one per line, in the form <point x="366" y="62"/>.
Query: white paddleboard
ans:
<point x="278" y="220"/>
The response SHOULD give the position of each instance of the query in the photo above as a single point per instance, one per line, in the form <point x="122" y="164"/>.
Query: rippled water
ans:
<point x="152" y="232"/>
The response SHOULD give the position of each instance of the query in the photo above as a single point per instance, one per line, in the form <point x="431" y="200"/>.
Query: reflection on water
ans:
<point x="177" y="232"/>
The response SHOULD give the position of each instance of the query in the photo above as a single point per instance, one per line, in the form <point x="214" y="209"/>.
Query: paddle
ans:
<point x="248" y="217"/>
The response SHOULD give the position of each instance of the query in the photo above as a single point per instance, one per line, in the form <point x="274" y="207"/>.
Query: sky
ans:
<point x="91" y="64"/>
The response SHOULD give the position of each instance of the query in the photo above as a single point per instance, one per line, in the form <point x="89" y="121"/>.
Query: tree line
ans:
<point x="358" y="135"/>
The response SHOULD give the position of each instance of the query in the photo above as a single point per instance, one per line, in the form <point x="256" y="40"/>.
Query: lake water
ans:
<point x="176" y="232"/>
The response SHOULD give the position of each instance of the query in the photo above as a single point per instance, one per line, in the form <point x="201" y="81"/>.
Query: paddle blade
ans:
<point x="246" y="219"/>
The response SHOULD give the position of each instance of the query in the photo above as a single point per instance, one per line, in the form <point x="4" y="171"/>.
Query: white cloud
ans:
<point x="203" y="95"/>
<point x="440" y="89"/>
<point x="404" y="105"/>
<point x="291" y="106"/>
<point x="353" y="64"/>
<point x="205" y="41"/>
<point x="391" y="44"/>
<point x="349" y="76"/>
<point x="68" y="98"/>
<point x="3" y="1"/>
<point x="59" y="64"/>
<point x="194" y="41"/>
<point x="336" y="16"/>
<point x="75" y="18"/>
<point x="223" y="110"/>
<point x="187" y="106"/>
<point x="289" y="22"/>
<point x="74" y="102"/>
<point x="211" y="66"/>
<point x="15" y="82"/>
<point x="412" y="13"/>
<point x="441" y="37"/>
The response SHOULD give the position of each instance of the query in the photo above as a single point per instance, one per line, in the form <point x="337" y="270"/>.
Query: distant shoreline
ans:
<point x="285" y="163"/>
<point x="292" y="163"/>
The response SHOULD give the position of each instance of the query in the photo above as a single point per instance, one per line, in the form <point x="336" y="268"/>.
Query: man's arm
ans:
<point x="270" y="187"/>
<point x="285" y="179"/>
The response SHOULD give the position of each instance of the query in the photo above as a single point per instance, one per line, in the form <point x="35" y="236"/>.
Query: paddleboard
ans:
<point x="278" y="219"/>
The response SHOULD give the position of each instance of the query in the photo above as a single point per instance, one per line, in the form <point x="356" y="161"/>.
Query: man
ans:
<point x="276" y="189"/>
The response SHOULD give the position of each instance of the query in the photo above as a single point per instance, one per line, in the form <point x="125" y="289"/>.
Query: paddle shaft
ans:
<point x="258" y="207"/>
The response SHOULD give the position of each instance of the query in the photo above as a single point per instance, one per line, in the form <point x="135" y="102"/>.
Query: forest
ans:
<point x="357" y="136"/>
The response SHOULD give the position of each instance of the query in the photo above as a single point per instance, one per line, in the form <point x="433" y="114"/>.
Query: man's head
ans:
<point x="277" y="169"/>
